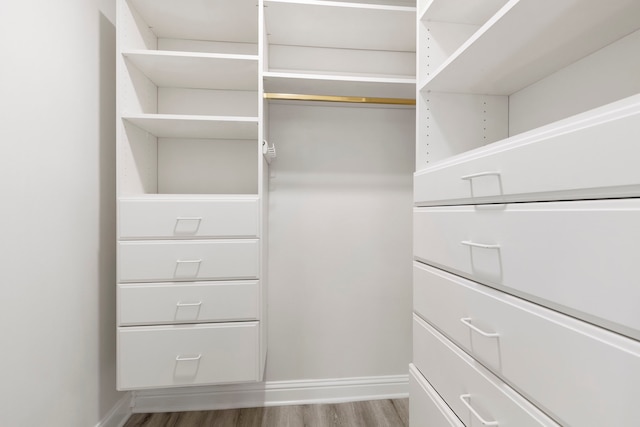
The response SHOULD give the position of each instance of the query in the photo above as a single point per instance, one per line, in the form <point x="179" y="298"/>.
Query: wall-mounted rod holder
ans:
<point x="268" y="151"/>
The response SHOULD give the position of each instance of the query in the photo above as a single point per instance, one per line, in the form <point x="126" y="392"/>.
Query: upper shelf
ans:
<point x="461" y="11"/>
<point x="340" y="85"/>
<point x="220" y="20"/>
<point x="189" y="126"/>
<point x="197" y="70"/>
<point x="342" y="25"/>
<point x="519" y="45"/>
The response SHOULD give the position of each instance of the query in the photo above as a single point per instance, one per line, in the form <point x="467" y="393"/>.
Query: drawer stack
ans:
<point x="189" y="292"/>
<point x="526" y="231"/>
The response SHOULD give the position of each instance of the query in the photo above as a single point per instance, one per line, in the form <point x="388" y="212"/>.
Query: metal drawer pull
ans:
<point x="189" y="218"/>
<point x="187" y="359"/>
<point x="189" y="304"/>
<point x="467" y="322"/>
<point x="479" y="174"/>
<point x="189" y="261"/>
<point x="479" y="245"/>
<point x="484" y="422"/>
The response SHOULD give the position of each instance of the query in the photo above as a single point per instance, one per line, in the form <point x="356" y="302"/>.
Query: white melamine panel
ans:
<point x="519" y="45"/>
<point x="579" y="257"/>
<point x="451" y="124"/>
<point x="340" y="85"/>
<point x="365" y="63"/>
<point x="427" y="409"/>
<point x="470" y="390"/>
<point x="204" y="46"/>
<point x="184" y="217"/>
<point x="188" y="126"/>
<point x="197" y="70"/>
<point x="202" y="166"/>
<point x="148" y="261"/>
<point x="180" y="355"/>
<point x="579" y="373"/>
<point x="207" y="102"/>
<point x="608" y="75"/>
<point x="590" y="155"/>
<point x="157" y="303"/>
<point x="220" y="20"/>
<point x="341" y="25"/>
<point x="462" y="11"/>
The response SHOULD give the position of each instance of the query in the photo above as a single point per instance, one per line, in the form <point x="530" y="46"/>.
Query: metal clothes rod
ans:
<point x="331" y="98"/>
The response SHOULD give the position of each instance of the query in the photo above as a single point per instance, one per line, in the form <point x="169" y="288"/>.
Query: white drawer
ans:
<point x="178" y="355"/>
<point x="151" y="261"/>
<point x="147" y="218"/>
<point x="470" y="390"/>
<point x="157" y="303"/>
<point x="577" y="257"/>
<point x="581" y="374"/>
<point x="426" y="407"/>
<point x="581" y="159"/>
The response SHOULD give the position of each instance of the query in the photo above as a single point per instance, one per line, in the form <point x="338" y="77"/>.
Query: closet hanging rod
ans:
<point x="332" y="98"/>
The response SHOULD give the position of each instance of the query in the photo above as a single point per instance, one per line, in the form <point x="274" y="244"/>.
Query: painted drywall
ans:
<point x="57" y="216"/>
<point x="340" y="248"/>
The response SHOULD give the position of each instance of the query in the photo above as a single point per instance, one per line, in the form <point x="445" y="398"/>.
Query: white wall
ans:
<point x="57" y="231"/>
<point x="340" y="242"/>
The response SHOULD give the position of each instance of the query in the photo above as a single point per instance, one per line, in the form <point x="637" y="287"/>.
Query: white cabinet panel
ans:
<point x="150" y="261"/>
<point x="156" y="303"/>
<point x="179" y="355"/>
<point x="578" y="257"/>
<point x="593" y="155"/>
<point x="181" y="218"/>
<point x="581" y="374"/>
<point x="427" y="408"/>
<point x="469" y="389"/>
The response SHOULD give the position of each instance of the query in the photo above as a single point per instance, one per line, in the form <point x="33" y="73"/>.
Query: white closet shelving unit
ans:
<point x="529" y="306"/>
<point x="191" y="192"/>
<point x="339" y="48"/>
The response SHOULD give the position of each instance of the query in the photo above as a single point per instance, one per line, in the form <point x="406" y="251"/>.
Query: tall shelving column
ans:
<point x="525" y="198"/>
<point x="191" y="185"/>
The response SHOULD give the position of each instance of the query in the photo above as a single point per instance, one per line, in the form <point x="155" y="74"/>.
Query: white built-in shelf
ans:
<point x="341" y="25"/>
<point x="520" y="45"/>
<point x="461" y="11"/>
<point x="188" y="126"/>
<point x="197" y="70"/>
<point x="219" y="20"/>
<point x="340" y="85"/>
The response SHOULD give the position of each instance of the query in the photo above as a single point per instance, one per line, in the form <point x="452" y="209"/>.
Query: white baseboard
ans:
<point x="119" y="414"/>
<point x="271" y="393"/>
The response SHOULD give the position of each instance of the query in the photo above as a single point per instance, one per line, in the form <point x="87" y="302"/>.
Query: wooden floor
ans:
<point x="375" y="413"/>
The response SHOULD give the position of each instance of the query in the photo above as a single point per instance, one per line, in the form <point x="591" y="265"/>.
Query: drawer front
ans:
<point x="179" y="355"/>
<point x="157" y="303"/>
<point x="546" y="252"/>
<point x="426" y="407"/>
<point x="471" y="391"/>
<point x="603" y="157"/>
<point x="581" y="374"/>
<point x="187" y="218"/>
<point x="151" y="261"/>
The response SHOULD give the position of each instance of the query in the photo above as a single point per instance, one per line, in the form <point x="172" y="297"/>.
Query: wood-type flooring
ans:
<point x="374" y="413"/>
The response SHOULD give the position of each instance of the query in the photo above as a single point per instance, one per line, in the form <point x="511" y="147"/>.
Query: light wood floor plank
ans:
<point x="375" y="413"/>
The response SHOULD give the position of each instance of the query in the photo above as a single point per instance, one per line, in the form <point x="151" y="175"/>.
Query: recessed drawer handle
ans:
<point x="484" y="422"/>
<point x="189" y="304"/>
<point x="189" y="218"/>
<point x="479" y="174"/>
<point x="467" y="322"/>
<point x="479" y="245"/>
<point x="189" y="261"/>
<point x="187" y="359"/>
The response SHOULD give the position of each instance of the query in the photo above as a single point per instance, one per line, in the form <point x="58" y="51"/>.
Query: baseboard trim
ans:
<point x="271" y="393"/>
<point x="119" y="414"/>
